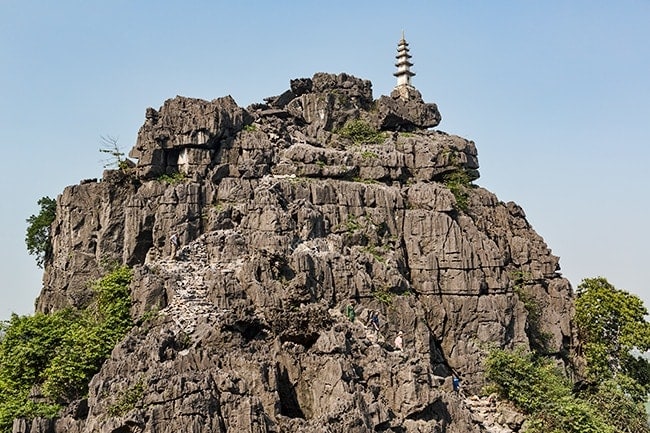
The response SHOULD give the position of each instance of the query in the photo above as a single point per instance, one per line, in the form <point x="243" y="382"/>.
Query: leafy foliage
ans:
<point x="172" y="179"/>
<point x="250" y="127"/>
<point x="612" y="328"/>
<point x="127" y="400"/>
<point x="59" y="353"/>
<point x="38" y="237"/>
<point x="90" y="339"/>
<point x="526" y="381"/>
<point x="611" y="325"/>
<point x="459" y="182"/>
<point x="538" y="338"/>
<point x="25" y="348"/>
<point x="361" y="132"/>
<point x="537" y="388"/>
<point x="384" y="296"/>
<point x="625" y="415"/>
<point x="367" y="154"/>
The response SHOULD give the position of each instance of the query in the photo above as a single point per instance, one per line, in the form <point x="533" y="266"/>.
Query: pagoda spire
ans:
<point x="403" y="64"/>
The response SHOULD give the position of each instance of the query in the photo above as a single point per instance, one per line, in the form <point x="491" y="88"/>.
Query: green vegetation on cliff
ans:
<point x="537" y="388"/>
<point x="360" y="132"/>
<point x="38" y="237"/>
<point x="612" y="329"/>
<point x="47" y="360"/>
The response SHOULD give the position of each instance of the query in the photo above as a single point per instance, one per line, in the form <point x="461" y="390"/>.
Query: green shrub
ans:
<point x="90" y="339"/>
<point x="536" y="387"/>
<point x="539" y="339"/>
<point x="459" y="182"/>
<point x="38" y="237"/>
<point x="113" y="301"/>
<point x="612" y="399"/>
<point x="569" y="415"/>
<point x="367" y="154"/>
<point x="172" y="179"/>
<point x="527" y="382"/>
<point x="361" y="132"/>
<point x="127" y="399"/>
<point x="60" y="352"/>
<point x="26" y="345"/>
<point x="384" y="296"/>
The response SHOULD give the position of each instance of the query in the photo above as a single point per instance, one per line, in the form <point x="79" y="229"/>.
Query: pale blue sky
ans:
<point x="556" y="95"/>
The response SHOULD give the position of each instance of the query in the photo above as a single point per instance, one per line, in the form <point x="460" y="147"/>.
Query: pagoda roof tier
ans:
<point x="400" y="73"/>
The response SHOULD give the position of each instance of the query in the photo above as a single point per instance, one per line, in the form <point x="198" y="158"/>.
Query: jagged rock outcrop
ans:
<point x="184" y="133"/>
<point x="283" y="222"/>
<point x="405" y="110"/>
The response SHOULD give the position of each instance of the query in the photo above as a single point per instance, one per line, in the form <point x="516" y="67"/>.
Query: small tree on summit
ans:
<point x="116" y="156"/>
<point x="38" y="237"/>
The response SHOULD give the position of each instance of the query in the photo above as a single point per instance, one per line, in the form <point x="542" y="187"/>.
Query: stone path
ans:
<point x="191" y="300"/>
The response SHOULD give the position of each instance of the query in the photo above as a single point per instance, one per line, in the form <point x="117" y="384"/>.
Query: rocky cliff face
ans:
<point x="289" y="211"/>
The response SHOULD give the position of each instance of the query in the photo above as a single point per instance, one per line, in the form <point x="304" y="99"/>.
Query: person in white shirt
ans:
<point x="399" y="342"/>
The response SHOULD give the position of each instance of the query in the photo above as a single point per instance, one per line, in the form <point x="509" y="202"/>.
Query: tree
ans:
<point x="38" y="237"/>
<point x="59" y="353"/>
<point x="614" y="333"/>
<point x="536" y="386"/>
<point x="626" y="415"/>
<point x="116" y="156"/>
<point x="26" y="347"/>
<point x="91" y="338"/>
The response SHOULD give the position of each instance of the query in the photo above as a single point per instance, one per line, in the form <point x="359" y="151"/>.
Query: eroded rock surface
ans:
<point x="283" y="223"/>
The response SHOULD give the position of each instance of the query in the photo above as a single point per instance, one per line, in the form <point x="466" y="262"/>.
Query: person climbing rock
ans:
<point x="455" y="381"/>
<point x="373" y="321"/>
<point x="175" y="243"/>
<point x="399" y="343"/>
<point x="350" y="312"/>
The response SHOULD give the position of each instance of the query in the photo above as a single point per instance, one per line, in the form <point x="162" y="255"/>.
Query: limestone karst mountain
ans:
<point x="288" y="211"/>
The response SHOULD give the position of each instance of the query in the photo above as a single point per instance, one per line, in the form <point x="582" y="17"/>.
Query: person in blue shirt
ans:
<point x="373" y="322"/>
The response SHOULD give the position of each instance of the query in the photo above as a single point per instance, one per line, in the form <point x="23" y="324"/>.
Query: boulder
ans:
<point x="404" y="110"/>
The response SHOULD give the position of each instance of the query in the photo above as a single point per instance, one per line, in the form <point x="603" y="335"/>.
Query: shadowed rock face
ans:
<point x="283" y="222"/>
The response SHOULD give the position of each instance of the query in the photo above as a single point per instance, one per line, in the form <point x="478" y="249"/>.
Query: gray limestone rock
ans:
<point x="404" y="110"/>
<point x="282" y="223"/>
<point x="184" y="133"/>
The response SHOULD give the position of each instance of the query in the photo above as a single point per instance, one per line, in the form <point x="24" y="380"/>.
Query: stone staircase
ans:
<point x="190" y="301"/>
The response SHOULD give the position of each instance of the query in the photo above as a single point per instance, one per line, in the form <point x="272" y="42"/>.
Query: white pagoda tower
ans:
<point x="403" y="64"/>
